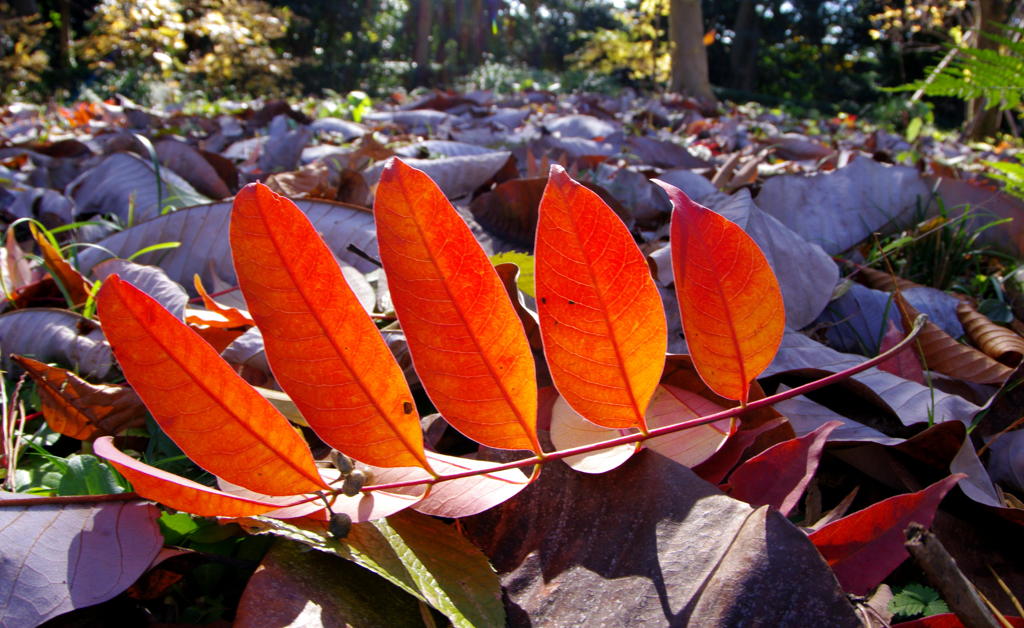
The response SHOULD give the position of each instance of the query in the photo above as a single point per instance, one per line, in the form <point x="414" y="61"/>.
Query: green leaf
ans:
<point x="914" y="129"/>
<point x="916" y="599"/>
<point x="421" y="555"/>
<point x="525" y="263"/>
<point x="177" y="527"/>
<point x="88" y="475"/>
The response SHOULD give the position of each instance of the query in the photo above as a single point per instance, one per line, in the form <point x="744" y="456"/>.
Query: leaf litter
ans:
<point x="774" y="185"/>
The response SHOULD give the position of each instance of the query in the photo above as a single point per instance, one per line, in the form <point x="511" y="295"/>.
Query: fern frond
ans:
<point x="975" y="73"/>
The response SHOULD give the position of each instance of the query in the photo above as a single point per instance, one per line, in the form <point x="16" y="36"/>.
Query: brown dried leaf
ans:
<point x="509" y="211"/>
<point x="880" y="280"/>
<point x="56" y="335"/>
<point x="682" y="554"/>
<point x="995" y="340"/>
<point x="192" y="166"/>
<point x="79" y="409"/>
<point x="941" y="352"/>
<point x="296" y="588"/>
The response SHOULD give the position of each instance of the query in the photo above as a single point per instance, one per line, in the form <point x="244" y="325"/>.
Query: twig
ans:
<point x="669" y="429"/>
<point x="363" y="254"/>
<point x="934" y="74"/>
<point x="70" y="499"/>
<point x="1006" y="429"/>
<point x="943" y="573"/>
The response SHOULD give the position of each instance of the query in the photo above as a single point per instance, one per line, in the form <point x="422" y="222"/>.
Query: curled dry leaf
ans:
<point x="996" y="341"/>
<point x="233" y="317"/>
<point x="15" y="270"/>
<point x="883" y="281"/>
<point x="942" y="353"/>
<point x="76" y="408"/>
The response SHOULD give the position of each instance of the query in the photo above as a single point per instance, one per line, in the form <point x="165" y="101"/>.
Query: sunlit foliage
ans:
<point x="216" y="45"/>
<point x="22" y="58"/>
<point x="639" y="48"/>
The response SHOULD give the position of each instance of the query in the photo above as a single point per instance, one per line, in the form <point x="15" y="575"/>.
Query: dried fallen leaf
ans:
<point x="79" y="409"/>
<point x="941" y="352"/>
<point x="58" y="557"/>
<point x="1001" y="343"/>
<point x="864" y="548"/>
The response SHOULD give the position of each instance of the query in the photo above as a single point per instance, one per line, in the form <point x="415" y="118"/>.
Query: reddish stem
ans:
<point x="213" y="295"/>
<point x="669" y="429"/>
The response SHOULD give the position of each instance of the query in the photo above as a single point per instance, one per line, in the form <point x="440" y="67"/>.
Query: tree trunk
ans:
<point x="689" y="59"/>
<point x="66" y="60"/>
<point x="421" y="54"/>
<point x="983" y="120"/>
<point x="743" y="55"/>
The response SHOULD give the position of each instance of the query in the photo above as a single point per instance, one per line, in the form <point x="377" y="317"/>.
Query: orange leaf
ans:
<point x="232" y="316"/>
<point x="177" y="492"/>
<point x="466" y="341"/>
<point x="601" y="316"/>
<point x="79" y="409"/>
<point x="325" y="351"/>
<point x="729" y="299"/>
<point x="74" y="283"/>
<point x="217" y="419"/>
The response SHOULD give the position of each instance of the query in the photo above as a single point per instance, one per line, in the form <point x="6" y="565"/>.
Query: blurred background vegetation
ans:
<point x="825" y="56"/>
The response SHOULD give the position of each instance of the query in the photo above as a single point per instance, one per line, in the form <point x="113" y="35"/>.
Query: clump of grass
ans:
<point x="942" y="251"/>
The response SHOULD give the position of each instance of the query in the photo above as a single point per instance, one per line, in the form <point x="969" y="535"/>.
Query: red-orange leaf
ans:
<point x="177" y="492"/>
<point x="467" y="343"/>
<point x="76" y="286"/>
<point x="322" y="346"/>
<point x="232" y="316"/>
<point x="601" y="316"/>
<point x="729" y="298"/>
<point x="217" y="419"/>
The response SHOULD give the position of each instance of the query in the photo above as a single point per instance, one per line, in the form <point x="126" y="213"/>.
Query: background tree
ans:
<point x="689" y="59"/>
